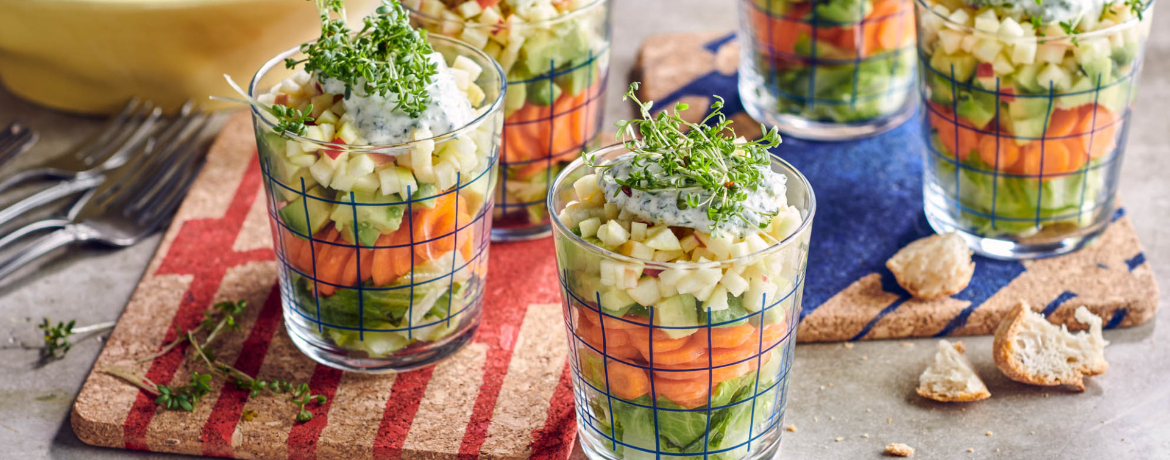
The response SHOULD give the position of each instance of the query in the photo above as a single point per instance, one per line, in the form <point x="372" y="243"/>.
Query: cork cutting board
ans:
<point x="869" y="205"/>
<point x="506" y="395"/>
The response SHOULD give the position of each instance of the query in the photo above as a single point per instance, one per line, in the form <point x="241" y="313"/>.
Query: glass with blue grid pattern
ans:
<point x="381" y="249"/>
<point x="556" y="57"/>
<point x="1025" y="121"/>
<point x="827" y="69"/>
<point x="672" y="358"/>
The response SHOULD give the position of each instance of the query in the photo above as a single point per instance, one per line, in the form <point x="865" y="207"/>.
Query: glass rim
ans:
<point x="563" y="17"/>
<point x="496" y="105"/>
<point x="555" y="219"/>
<point x="1128" y="23"/>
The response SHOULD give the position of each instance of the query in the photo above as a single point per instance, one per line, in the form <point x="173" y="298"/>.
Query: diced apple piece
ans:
<point x="1052" y="76"/>
<point x="755" y="243"/>
<point x="462" y="79"/>
<point x="475" y="95"/>
<point x="986" y="49"/>
<point x="734" y="283"/>
<point x="366" y="183"/>
<point x="510" y="53"/>
<point x="960" y="16"/>
<point x="358" y="166"/>
<point x="445" y="175"/>
<point x="1010" y="28"/>
<point x="589" y="226"/>
<point x="666" y="290"/>
<point x="610" y="272"/>
<point x="293" y="149"/>
<point x="646" y="292"/>
<point x="1024" y="51"/>
<point x="612" y="234"/>
<point x="1050" y="52"/>
<point x="474" y="36"/>
<point x="950" y="40"/>
<point x="667" y="256"/>
<point x="720" y="245"/>
<point x="717" y="300"/>
<point x="490" y="16"/>
<point x="758" y="293"/>
<point x="698" y="281"/>
<point x="327" y="118"/>
<point x="689" y="243"/>
<point x="469" y="9"/>
<point x="637" y="231"/>
<point x="314" y="133"/>
<point x="637" y="250"/>
<point x="394" y="179"/>
<point x="302" y="160"/>
<point x="987" y="22"/>
<point x="432" y="7"/>
<point x="702" y="255"/>
<point x="588" y="191"/>
<point x="347" y="133"/>
<point x="615" y="300"/>
<point x="420" y="155"/>
<point x="452" y="24"/>
<point x="662" y="239"/>
<point x="1002" y="65"/>
<point x="467" y="65"/>
<point x="612" y="211"/>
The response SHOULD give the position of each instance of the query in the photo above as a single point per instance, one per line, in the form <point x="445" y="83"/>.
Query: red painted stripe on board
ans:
<point x="217" y="432"/>
<point x="202" y="248"/>
<point x="405" y="396"/>
<point x="302" y="439"/>
<point x="505" y="303"/>
<point x="555" y="440"/>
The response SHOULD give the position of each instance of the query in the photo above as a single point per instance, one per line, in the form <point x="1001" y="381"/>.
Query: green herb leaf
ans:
<point x="704" y="160"/>
<point x="386" y="57"/>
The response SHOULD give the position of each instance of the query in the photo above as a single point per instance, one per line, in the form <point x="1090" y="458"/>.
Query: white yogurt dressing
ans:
<point x="661" y="207"/>
<point x="379" y="123"/>
<point x="1049" y="11"/>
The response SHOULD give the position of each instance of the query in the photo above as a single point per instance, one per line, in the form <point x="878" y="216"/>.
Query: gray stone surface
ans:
<point x="836" y="392"/>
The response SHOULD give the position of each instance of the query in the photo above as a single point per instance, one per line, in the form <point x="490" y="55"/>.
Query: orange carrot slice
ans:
<point x="1062" y="123"/>
<point x="1004" y="156"/>
<point x="1053" y="158"/>
<point x="687" y="393"/>
<point x="1097" y="131"/>
<point x="690" y="351"/>
<point x="626" y="381"/>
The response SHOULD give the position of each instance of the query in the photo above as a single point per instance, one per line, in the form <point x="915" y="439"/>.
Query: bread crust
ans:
<point x="966" y="396"/>
<point x="1004" y="352"/>
<point x="961" y="276"/>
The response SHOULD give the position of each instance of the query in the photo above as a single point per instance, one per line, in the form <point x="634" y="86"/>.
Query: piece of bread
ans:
<point x="898" y="449"/>
<point x="951" y="378"/>
<point x="1031" y="350"/>
<point x="933" y="267"/>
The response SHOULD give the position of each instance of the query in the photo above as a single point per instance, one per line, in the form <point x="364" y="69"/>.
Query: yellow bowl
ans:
<point x="90" y="56"/>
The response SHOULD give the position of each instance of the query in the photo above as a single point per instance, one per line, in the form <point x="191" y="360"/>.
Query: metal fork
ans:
<point x="105" y="150"/>
<point x="122" y="216"/>
<point x="175" y="132"/>
<point x="15" y="139"/>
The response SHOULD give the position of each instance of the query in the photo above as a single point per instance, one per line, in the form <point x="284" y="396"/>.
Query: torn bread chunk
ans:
<point x="933" y="267"/>
<point x="898" y="449"/>
<point x="1031" y="350"/>
<point x="951" y="378"/>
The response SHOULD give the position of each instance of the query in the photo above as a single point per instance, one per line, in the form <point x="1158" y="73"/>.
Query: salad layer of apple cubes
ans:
<point x="326" y="268"/>
<point x="1013" y="98"/>
<point x="721" y="312"/>
<point x="548" y="117"/>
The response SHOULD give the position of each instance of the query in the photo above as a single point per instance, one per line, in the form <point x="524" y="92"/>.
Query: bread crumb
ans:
<point x="1032" y="432"/>
<point x="830" y="384"/>
<point x="865" y="435"/>
<point x="816" y="419"/>
<point x="933" y="267"/>
<point x="791" y="428"/>
<point x="899" y="450"/>
<point x="907" y="344"/>
<point x="950" y="377"/>
<point x="832" y="417"/>
<point x="970" y="450"/>
<point x="864" y="357"/>
<point x="839" y="439"/>
<point x="868" y="410"/>
<point x="988" y="433"/>
<point x="889" y="420"/>
<point x="822" y="388"/>
<point x="849" y="345"/>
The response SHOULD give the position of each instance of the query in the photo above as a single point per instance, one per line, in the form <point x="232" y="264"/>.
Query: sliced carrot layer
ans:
<point x="534" y="132"/>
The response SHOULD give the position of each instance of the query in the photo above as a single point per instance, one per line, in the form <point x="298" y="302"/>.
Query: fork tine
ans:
<point x="150" y="191"/>
<point x="129" y="139"/>
<point x="116" y="176"/>
<point x="164" y="205"/>
<point x="103" y="136"/>
<point x="165" y="142"/>
<point x="185" y="146"/>
<point x="17" y="140"/>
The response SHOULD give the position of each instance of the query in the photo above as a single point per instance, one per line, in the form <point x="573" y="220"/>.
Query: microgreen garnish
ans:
<point x="221" y="317"/>
<point x="1070" y="29"/>
<point x="1136" y="7"/>
<point x="703" y="161"/>
<point x="387" y="56"/>
<point x="1037" y="26"/>
<point x="57" y="337"/>
<point x="289" y="119"/>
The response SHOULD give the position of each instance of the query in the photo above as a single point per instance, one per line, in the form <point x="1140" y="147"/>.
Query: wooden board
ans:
<point x="506" y="395"/>
<point x="869" y="205"/>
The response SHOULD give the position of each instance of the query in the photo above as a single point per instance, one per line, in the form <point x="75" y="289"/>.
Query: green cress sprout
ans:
<point x="387" y="56"/>
<point x="221" y="317"/>
<point x="703" y="161"/>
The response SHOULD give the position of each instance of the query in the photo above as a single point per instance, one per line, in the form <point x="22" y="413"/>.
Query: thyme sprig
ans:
<point x="386" y="57"/>
<point x="56" y="337"/>
<point x="221" y="317"/>
<point x="704" y="162"/>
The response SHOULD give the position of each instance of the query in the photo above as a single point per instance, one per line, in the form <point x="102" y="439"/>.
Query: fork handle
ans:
<point x="48" y="195"/>
<point x="40" y="247"/>
<point x="31" y="228"/>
